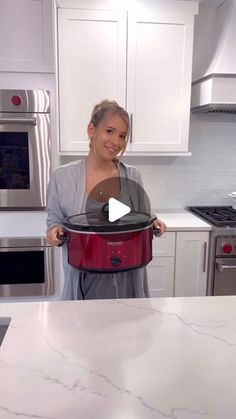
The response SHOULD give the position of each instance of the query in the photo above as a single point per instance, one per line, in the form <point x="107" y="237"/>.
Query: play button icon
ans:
<point x="116" y="209"/>
<point x="114" y="206"/>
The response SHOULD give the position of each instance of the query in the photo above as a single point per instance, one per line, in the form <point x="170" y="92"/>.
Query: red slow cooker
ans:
<point x="98" y="245"/>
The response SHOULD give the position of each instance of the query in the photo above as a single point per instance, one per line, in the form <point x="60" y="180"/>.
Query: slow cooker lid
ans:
<point x="98" y="221"/>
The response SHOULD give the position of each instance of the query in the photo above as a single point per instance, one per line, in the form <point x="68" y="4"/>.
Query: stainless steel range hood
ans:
<point x="215" y="91"/>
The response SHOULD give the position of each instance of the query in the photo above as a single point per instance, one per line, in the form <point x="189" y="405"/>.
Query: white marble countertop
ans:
<point x="182" y="220"/>
<point x="120" y="359"/>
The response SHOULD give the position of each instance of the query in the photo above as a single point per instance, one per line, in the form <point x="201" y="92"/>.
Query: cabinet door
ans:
<point x="161" y="277"/>
<point x="191" y="263"/>
<point x="161" y="269"/>
<point x="92" y="67"/>
<point x="159" y="80"/>
<point x="26" y="31"/>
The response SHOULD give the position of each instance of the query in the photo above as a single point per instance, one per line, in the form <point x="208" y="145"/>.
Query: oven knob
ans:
<point x="16" y="100"/>
<point x="115" y="260"/>
<point x="227" y="248"/>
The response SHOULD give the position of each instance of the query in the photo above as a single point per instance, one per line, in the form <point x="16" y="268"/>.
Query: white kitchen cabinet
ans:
<point x="159" y="80"/>
<point x="179" y="264"/>
<point x="141" y="58"/>
<point x="92" y="65"/>
<point x="26" y="29"/>
<point x="161" y="277"/>
<point x="191" y="263"/>
<point x="161" y="269"/>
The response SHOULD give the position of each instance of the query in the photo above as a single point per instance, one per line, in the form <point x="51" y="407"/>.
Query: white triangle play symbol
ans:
<point x="116" y="209"/>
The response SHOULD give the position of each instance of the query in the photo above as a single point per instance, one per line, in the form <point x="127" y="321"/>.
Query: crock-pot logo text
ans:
<point x="114" y="243"/>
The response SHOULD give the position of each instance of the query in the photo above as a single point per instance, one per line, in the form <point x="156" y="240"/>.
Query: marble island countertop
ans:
<point x="120" y="359"/>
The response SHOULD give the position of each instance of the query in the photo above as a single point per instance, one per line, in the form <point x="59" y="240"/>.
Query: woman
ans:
<point x="72" y="187"/>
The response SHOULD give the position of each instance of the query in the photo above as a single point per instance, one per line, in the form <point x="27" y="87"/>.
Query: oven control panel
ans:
<point x="226" y="246"/>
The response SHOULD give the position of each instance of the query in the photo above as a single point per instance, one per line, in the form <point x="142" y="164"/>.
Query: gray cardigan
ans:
<point x="65" y="198"/>
<point x="67" y="186"/>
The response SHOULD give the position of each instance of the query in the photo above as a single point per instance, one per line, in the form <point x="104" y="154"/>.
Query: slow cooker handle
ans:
<point x="63" y="238"/>
<point x="156" y="231"/>
<point x="105" y="210"/>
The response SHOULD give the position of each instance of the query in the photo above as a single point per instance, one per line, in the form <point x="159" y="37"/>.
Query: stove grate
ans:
<point x="220" y="216"/>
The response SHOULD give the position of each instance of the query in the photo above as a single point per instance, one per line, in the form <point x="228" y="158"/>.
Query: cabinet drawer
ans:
<point x="164" y="245"/>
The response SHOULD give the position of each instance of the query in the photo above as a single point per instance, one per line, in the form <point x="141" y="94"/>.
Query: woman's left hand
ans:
<point x="159" y="225"/>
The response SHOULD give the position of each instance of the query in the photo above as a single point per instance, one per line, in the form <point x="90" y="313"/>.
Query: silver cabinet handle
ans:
<point x="29" y="121"/>
<point x="131" y="128"/>
<point x="205" y="256"/>
<point x="223" y="268"/>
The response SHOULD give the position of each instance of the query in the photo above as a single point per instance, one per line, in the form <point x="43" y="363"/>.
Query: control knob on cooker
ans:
<point x="227" y="248"/>
<point x="115" y="260"/>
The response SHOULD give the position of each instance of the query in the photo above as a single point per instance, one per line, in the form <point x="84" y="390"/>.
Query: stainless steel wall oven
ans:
<point x="27" y="267"/>
<point x="25" y="148"/>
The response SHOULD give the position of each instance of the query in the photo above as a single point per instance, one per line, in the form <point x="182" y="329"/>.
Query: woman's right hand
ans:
<point x="53" y="235"/>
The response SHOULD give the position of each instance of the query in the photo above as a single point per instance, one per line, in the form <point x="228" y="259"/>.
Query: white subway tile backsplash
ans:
<point x="205" y="178"/>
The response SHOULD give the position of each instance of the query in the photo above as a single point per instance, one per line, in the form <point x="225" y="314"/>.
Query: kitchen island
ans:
<point x="119" y="359"/>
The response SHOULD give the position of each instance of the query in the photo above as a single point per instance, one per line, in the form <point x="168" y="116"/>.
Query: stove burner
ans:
<point x="219" y="216"/>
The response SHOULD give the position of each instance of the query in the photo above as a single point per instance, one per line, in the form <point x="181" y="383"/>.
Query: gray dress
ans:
<point x="66" y="197"/>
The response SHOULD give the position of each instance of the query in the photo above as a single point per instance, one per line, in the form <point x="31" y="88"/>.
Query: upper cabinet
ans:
<point x="92" y="66"/>
<point x="26" y="29"/>
<point x="141" y="57"/>
<point x="159" y="80"/>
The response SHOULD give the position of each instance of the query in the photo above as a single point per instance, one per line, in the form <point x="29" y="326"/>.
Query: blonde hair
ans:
<point x="105" y="110"/>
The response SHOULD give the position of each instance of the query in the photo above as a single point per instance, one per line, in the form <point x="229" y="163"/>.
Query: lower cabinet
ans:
<point x="161" y="268"/>
<point x="191" y="263"/>
<point x="179" y="264"/>
<point x="161" y="277"/>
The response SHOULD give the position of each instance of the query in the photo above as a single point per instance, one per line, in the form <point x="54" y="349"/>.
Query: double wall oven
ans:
<point x="222" y="249"/>
<point x="27" y="265"/>
<point x="25" y="161"/>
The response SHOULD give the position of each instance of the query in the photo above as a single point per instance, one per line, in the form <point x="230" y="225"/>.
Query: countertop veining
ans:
<point x="120" y="359"/>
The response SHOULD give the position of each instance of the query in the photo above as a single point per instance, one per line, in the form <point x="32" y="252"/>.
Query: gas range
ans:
<point x="223" y="221"/>
<point x="222" y="248"/>
<point x="220" y="216"/>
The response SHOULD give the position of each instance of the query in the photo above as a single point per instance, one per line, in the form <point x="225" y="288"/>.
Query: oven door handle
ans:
<point x="28" y="121"/>
<point x="225" y="268"/>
